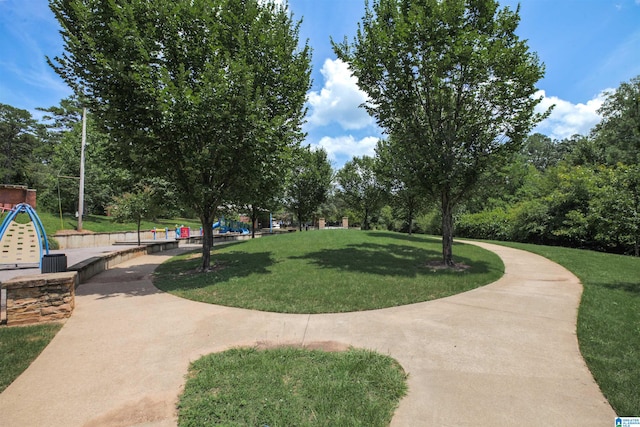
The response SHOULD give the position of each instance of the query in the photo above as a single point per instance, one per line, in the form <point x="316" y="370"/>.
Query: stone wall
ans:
<point x="95" y="265"/>
<point x="92" y="240"/>
<point x="40" y="298"/>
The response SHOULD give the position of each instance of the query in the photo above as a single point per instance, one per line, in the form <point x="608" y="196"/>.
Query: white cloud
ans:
<point x="339" y="100"/>
<point x="348" y="146"/>
<point x="568" y="119"/>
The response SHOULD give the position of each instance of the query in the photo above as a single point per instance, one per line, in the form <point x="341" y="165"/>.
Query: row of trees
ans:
<point x="209" y="97"/>
<point x="581" y="191"/>
<point x="45" y="155"/>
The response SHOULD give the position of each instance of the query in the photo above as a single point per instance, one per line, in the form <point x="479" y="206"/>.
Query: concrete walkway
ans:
<point x="503" y="354"/>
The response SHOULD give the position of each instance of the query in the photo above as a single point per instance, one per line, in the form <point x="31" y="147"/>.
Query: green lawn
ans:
<point x="291" y="387"/>
<point x="19" y="346"/>
<point x="327" y="272"/>
<point x="608" y="319"/>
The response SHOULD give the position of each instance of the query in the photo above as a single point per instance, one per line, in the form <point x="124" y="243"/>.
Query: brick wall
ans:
<point x="11" y="195"/>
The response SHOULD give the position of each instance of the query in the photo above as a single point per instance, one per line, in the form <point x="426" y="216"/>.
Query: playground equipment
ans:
<point x="182" y="232"/>
<point x="227" y="226"/>
<point x="22" y="245"/>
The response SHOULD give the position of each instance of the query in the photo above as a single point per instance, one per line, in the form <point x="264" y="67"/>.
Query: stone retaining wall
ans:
<point x="92" y="266"/>
<point x="49" y="297"/>
<point x="40" y="298"/>
<point x="89" y="240"/>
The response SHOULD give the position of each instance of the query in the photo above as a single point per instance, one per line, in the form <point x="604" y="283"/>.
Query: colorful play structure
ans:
<point x="223" y="226"/>
<point x="22" y="245"/>
<point x="227" y="226"/>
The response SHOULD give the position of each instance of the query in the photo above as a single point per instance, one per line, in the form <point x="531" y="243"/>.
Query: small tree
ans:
<point x="134" y="207"/>
<point x="400" y="184"/>
<point x="310" y="183"/>
<point x="360" y="188"/>
<point x="452" y="83"/>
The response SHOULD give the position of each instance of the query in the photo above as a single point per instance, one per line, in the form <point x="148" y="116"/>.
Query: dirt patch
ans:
<point x="218" y="266"/>
<point x="146" y="411"/>
<point x="439" y="265"/>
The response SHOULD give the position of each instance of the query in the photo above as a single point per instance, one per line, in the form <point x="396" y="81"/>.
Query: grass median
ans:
<point x="292" y="387"/>
<point x="328" y="271"/>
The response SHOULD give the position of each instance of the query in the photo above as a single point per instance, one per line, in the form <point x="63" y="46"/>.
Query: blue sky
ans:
<point x="588" y="46"/>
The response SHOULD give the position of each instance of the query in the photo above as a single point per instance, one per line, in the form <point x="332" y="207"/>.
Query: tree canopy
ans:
<point x="21" y="150"/>
<point x="453" y="85"/>
<point x="195" y="91"/>
<point x="619" y="130"/>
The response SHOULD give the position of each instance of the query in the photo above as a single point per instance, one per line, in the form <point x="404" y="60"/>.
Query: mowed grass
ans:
<point x="19" y="346"/>
<point x="328" y="271"/>
<point x="291" y="387"/>
<point x="608" y="319"/>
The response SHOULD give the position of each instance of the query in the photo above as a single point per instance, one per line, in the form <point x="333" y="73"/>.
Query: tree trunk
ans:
<point x="447" y="231"/>
<point x="254" y="221"/>
<point x="365" y="223"/>
<point x="410" y="214"/>
<point x="207" y="242"/>
<point x="139" y="220"/>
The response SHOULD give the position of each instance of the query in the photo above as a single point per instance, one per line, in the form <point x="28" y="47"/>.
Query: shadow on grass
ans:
<point x="220" y="244"/>
<point x="402" y="236"/>
<point x="387" y="260"/>
<point x="417" y="238"/>
<point x="630" y="287"/>
<point x="182" y="274"/>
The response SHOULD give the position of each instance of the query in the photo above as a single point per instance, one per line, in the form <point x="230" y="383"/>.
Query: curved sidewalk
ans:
<point x="503" y="354"/>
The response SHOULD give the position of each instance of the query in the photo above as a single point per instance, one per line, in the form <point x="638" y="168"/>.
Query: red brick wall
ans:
<point x="11" y="195"/>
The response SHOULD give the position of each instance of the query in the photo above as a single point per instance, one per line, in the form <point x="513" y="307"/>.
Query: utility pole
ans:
<point x="84" y="142"/>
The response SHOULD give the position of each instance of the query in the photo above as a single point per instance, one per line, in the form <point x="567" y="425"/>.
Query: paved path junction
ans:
<point x="503" y="354"/>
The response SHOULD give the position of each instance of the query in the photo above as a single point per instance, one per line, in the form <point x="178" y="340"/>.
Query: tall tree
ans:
<point x="21" y="148"/>
<point x="360" y="188"/>
<point x="453" y="83"/>
<point x="619" y="131"/>
<point x="310" y="183"/>
<point x="542" y="152"/>
<point x="103" y="180"/>
<point x="196" y="91"/>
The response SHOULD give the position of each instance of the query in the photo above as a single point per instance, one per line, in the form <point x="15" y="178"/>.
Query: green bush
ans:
<point x="53" y="243"/>
<point x="429" y="223"/>
<point x="529" y="222"/>
<point x="492" y="225"/>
